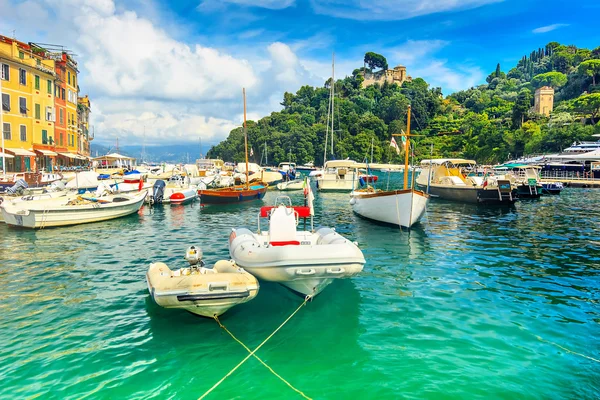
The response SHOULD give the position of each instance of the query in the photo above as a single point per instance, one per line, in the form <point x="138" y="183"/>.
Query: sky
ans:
<point x="170" y="72"/>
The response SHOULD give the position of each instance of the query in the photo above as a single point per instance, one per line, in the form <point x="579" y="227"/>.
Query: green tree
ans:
<point x="521" y="107"/>
<point x="588" y="104"/>
<point x="590" y="68"/>
<point x="552" y="79"/>
<point x="374" y="60"/>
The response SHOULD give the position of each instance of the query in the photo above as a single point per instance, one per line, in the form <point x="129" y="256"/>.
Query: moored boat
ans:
<point x="396" y="207"/>
<point x="296" y="184"/>
<point x="553" y="188"/>
<point x="450" y="179"/>
<point x="207" y="292"/>
<point x="304" y="261"/>
<point x="70" y="210"/>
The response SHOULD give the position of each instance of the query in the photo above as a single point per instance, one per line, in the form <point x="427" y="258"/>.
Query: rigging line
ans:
<point x="259" y="359"/>
<point x="306" y="299"/>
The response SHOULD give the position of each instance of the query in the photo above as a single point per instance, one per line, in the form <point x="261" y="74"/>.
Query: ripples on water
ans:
<point x="451" y="309"/>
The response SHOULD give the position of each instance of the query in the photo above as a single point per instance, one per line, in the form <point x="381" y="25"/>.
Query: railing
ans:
<point x="571" y="175"/>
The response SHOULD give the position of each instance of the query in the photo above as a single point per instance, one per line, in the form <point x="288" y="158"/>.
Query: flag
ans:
<point x="395" y="145"/>
<point x="251" y="152"/>
<point x="403" y="138"/>
<point x="309" y="196"/>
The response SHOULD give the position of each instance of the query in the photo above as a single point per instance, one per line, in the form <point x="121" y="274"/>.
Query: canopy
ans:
<point x="440" y="161"/>
<point x="46" y="152"/>
<point x="515" y="165"/>
<point x="20" y="152"/>
<point x="6" y="155"/>
<point x="114" y="156"/>
<point x="341" y="164"/>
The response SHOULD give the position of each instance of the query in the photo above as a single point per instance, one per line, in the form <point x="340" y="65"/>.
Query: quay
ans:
<point x="575" y="183"/>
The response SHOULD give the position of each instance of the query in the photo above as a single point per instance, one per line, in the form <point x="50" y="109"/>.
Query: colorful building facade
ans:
<point x="39" y="114"/>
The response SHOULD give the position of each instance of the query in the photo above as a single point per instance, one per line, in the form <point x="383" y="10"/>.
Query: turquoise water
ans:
<point x="473" y="303"/>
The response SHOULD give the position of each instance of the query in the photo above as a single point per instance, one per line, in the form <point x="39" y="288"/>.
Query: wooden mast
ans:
<point x="246" y="139"/>
<point x="406" y="148"/>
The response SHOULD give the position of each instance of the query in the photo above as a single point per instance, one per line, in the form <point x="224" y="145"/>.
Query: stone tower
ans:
<point x="544" y="100"/>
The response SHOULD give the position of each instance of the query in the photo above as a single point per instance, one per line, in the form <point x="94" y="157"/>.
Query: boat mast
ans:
<point x="332" y="97"/>
<point x="245" y="138"/>
<point x="2" y="129"/>
<point x="328" y="114"/>
<point x="371" y="150"/>
<point x="406" y="147"/>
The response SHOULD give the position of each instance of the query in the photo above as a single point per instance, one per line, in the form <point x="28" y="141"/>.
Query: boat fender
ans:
<point x="352" y="201"/>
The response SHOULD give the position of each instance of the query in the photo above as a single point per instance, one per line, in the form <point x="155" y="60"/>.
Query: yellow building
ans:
<point x="72" y="94"/>
<point x="84" y="109"/>
<point x="544" y="100"/>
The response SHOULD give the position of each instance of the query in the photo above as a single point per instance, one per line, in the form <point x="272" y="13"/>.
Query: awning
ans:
<point x="20" y="152"/>
<point x="46" y="152"/>
<point x="6" y="155"/>
<point x="70" y="155"/>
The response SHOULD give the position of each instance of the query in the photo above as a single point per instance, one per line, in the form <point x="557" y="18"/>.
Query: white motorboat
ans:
<point x="296" y="184"/>
<point x="304" y="261"/>
<point x="70" y="210"/>
<point x="54" y="191"/>
<point x="176" y="191"/>
<point x="338" y="175"/>
<point x="203" y="291"/>
<point x="397" y="207"/>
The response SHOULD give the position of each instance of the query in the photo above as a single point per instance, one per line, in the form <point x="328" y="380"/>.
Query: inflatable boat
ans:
<point x="305" y="261"/>
<point x="203" y="291"/>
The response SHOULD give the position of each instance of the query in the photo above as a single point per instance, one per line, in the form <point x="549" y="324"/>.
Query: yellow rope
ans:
<point x="567" y="350"/>
<point x="251" y="354"/>
<point x="261" y="361"/>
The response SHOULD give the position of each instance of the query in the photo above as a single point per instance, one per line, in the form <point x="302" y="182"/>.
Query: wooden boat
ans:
<point x="71" y="210"/>
<point x="304" y="261"/>
<point x="207" y="292"/>
<point x="450" y="179"/>
<point x="235" y="194"/>
<point x="397" y="207"/>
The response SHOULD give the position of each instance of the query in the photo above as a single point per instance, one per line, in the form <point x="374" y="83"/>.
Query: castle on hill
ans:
<point x="396" y="75"/>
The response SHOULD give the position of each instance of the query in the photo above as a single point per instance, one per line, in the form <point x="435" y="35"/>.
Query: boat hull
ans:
<point x="306" y="268"/>
<point x="399" y="207"/>
<point x="329" y="183"/>
<point x="230" y="195"/>
<point x="290" y="185"/>
<point x="39" y="216"/>
<point x="529" y="192"/>
<point x="466" y="194"/>
<point x="207" y="295"/>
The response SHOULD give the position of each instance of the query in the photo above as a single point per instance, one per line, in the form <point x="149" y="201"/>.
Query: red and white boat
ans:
<point x="305" y="261"/>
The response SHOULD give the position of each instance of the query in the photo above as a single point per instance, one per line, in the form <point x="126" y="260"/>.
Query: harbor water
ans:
<point x="474" y="302"/>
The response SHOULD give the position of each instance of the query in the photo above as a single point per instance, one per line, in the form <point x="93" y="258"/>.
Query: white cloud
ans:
<point x="391" y="9"/>
<point x="271" y="4"/>
<point x="548" y="28"/>
<point x="419" y="58"/>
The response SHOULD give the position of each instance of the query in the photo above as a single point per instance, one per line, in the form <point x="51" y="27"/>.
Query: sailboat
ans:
<point x="235" y="194"/>
<point x="403" y="207"/>
<point x="336" y="175"/>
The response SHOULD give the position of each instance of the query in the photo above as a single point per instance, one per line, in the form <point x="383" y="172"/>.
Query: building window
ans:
<point x="37" y="111"/>
<point x="60" y="116"/>
<point x="69" y="75"/>
<point x="22" y="76"/>
<point x="37" y="82"/>
<point x="21" y="55"/>
<point x="5" y="72"/>
<point x="44" y="136"/>
<point x="38" y="61"/>
<point x="49" y="114"/>
<point x="6" y="130"/>
<point x="74" y="81"/>
<point x="23" y="133"/>
<point x="23" y="105"/>
<point x="63" y="93"/>
<point x="60" y="138"/>
<point x="5" y="102"/>
<point x="49" y="86"/>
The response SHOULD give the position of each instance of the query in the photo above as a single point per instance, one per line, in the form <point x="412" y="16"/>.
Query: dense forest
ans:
<point x="490" y="123"/>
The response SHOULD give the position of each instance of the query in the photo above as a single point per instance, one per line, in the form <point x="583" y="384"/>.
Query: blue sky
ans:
<point x="175" y="69"/>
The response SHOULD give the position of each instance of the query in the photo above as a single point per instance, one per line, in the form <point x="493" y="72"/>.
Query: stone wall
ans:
<point x="396" y="75"/>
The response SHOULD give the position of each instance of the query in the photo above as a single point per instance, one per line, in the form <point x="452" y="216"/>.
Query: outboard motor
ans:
<point x="158" y="192"/>
<point x="17" y="187"/>
<point x="193" y="255"/>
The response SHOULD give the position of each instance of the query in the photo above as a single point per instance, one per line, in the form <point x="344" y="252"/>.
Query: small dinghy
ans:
<point x="203" y="291"/>
<point x="296" y="184"/>
<point x="304" y="261"/>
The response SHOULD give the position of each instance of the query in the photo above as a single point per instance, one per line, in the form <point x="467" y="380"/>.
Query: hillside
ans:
<point x="490" y="122"/>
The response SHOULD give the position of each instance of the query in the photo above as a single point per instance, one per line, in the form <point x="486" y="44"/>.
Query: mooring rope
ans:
<point x="567" y="350"/>
<point x="252" y="353"/>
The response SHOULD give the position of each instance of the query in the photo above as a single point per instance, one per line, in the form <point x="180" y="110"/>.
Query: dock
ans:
<point x="574" y="182"/>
